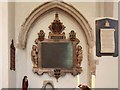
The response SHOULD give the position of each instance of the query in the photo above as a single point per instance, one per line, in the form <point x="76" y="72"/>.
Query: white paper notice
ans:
<point x="107" y="40"/>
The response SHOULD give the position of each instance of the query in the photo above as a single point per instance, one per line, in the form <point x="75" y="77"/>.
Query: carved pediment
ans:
<point x="56" y="26"/>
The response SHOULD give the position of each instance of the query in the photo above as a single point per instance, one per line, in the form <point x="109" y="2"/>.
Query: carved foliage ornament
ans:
<point x="56" y="35"/>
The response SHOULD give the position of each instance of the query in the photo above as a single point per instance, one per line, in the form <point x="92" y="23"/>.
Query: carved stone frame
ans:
<point x="57" y="36"/>
<point x="58" y="72"/>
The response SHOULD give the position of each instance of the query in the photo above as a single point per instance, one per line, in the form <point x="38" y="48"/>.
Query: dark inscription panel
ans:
<point x="57" y="55"/>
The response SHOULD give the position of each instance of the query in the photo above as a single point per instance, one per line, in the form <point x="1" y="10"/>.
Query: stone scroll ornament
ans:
<point x="57" y="35"/>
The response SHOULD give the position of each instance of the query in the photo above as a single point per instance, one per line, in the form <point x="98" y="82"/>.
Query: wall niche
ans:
<point x="40" y="19"/>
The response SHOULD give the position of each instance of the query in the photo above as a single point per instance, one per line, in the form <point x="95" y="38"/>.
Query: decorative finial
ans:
<point x="107" y="24"/>
<point x="56" y="26"/>
<point x="56" y="17"/>
<point x="72" y="35"/>
<point x="41" y="36"/>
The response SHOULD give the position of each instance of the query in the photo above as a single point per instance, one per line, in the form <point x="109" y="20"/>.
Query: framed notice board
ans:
<point x="107" y="37"/>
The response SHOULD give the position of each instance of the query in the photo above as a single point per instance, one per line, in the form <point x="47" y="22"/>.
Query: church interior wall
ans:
<point x="18" y="11"/>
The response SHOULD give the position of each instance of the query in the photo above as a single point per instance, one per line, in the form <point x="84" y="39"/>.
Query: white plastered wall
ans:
<point x="7" y="34"/>
<point x="107" y="73"/>
<point x="5" y="45"/>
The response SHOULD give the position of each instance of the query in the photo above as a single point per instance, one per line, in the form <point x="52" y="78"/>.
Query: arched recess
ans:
<point x="37" y="12"/>
<point x="76" y="15"/>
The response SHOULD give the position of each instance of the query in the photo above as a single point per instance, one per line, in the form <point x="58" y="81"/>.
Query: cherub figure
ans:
<point x="79" y="55"/>
<point x="34" y="55"/>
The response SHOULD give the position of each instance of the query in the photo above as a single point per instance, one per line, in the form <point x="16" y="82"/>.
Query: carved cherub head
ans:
<point x="79" y="47"/>
<point x="34" y="47"/>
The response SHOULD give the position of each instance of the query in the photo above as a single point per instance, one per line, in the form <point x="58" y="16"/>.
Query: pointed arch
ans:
<point x="37" y="12"/>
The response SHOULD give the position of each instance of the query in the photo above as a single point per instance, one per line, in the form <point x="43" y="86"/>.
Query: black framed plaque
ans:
<point x="106" y="37"/>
